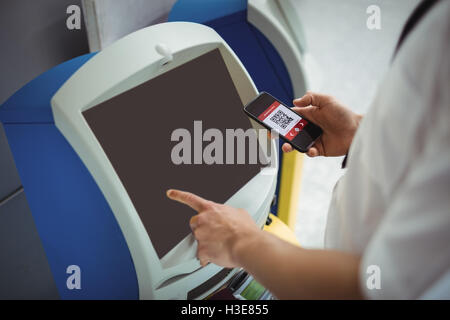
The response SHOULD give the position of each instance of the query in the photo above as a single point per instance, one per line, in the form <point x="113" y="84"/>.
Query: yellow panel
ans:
<point x="281" y="230"/>
<point x="291" y="174"/>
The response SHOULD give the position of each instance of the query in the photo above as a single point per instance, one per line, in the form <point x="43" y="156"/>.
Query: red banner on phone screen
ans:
<point x="268" y="111"/>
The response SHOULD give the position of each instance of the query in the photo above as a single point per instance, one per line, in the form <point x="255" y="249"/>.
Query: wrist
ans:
<point x="245" y="243"/>
<point x="351" y="133"/>
<point x="358" y="118"/>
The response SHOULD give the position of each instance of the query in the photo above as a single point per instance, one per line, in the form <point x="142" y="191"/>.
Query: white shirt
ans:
<point x="392" y="206"/>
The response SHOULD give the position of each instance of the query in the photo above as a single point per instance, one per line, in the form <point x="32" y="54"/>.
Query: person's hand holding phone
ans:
<point x="338" y="123"/>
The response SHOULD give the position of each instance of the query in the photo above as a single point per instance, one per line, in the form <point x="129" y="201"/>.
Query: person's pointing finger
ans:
<point x="195" y="202"/>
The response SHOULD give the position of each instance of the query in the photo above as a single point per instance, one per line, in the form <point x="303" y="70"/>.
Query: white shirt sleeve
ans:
<point x="411" y="245"/>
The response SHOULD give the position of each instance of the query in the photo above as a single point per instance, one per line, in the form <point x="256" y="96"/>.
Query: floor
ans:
<point x="349" y="60"/>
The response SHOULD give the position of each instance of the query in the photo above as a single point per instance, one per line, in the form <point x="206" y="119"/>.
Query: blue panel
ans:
<point x="201" y="11"/>
<point x="72" y="217"/>
<point x="32" y="102"/>
<point x="278" y="66"/>
<point x="241" y="38"/>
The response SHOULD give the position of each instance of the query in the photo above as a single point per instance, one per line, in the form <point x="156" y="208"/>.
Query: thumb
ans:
<point x="311" y="98"/>
<point x="304" y="101"/>
<point x="307" y="112"/>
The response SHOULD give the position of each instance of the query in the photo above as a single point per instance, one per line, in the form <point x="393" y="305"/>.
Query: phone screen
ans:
<point x="283" y="120"/>
<point x="270" y="112"/>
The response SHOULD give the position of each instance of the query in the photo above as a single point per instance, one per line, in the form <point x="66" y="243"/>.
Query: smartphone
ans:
<point x="299" y="132"/>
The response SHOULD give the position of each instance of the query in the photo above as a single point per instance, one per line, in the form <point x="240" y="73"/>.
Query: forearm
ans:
<point x="290" y="272"/>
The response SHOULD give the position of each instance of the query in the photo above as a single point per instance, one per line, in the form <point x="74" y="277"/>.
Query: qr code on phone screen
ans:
<point x="281" y="119"/>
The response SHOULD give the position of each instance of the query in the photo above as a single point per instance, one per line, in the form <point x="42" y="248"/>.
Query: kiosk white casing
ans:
<point x="137" y="58"/>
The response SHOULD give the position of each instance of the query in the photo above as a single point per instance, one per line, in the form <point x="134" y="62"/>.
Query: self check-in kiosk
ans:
<point x="118" y="111"/>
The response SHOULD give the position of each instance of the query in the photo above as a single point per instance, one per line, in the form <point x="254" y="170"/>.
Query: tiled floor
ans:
<point x="351" y="60"/>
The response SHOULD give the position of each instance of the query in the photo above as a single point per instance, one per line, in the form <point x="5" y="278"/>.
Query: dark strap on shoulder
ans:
<point x="344" y="162"/>
<point x="417" y="15"/>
